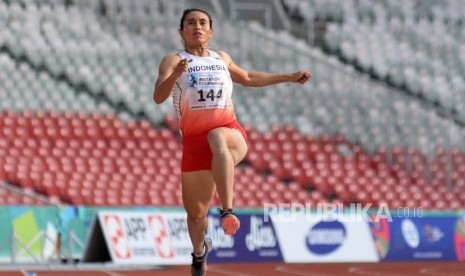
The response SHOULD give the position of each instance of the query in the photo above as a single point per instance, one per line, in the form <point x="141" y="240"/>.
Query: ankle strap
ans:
<point x="225" y="212"/>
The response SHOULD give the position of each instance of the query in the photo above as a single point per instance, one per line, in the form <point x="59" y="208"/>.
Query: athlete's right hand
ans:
<point x="181" y="67"/>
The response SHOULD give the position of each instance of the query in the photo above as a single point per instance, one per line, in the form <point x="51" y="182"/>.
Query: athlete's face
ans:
<point x="196" y="28"/>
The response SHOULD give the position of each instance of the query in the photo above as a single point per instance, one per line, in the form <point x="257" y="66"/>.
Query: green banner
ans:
<point x="34" y="231"/>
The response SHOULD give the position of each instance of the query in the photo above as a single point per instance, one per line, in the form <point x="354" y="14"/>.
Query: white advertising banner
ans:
<point x="146" y="238"/>
<point x="310" y="238"/>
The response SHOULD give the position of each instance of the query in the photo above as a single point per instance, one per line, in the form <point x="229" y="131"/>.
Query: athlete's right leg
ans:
<point x="198" y="189"/>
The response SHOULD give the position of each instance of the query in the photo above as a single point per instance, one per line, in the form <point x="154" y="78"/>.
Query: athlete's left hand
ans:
<point x="301" y="76"/>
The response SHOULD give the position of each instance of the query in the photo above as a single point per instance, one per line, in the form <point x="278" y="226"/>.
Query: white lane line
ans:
<point x="111" y="273"/>
<point x="287" y="270"/>
<point x="363" y="271"/>
<point x="434" y="271"/>
<point x="228" y="271"/>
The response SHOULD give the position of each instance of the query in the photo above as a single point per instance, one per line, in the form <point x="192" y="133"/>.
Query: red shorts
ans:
<point x="196" y="153"/>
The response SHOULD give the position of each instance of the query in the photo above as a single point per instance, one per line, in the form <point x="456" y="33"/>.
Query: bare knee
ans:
<point x="220" y="145"/>
<point x="196" y="218"/>
<point x="217" y="142"/>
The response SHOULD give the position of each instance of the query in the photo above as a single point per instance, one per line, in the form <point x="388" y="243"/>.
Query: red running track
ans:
<point x="278" y="269"/>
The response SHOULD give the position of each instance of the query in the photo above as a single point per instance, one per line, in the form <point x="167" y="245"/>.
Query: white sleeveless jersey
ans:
<point x="202" y="95"/>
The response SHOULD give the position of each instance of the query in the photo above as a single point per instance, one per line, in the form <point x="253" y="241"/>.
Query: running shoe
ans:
<point x="229" y="221"/>
<point x="199" y="264"/>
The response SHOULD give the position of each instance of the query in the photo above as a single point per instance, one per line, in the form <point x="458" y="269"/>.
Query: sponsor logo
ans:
<point x="410" y="233"/>
<point x="259" y="236"/>
<point x="119" y="246"/>
<point x="135" y="228"/>
<point x="432" y="233"/>
<point x="160" y="236"/>
<point x="216" y="233"/>
<point x="179" y="235"/>
<point x="223" y="244"/>
<point x="325" y="237"/>
<point x="170" y="236"/>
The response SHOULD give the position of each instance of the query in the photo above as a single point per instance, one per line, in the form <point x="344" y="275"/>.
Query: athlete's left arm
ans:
<point x="257" y="79"/>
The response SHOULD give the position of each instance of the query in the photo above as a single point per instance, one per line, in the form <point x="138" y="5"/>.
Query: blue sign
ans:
<point x="325" y="237"/>
<point x="420" y="238"/>
<point x="255" y="241"/>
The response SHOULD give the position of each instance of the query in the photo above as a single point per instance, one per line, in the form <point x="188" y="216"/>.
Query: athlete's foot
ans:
<point x="229" y="221"/>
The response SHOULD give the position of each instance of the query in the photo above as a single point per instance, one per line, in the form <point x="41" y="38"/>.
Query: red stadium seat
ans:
<point x="74" y="156"/>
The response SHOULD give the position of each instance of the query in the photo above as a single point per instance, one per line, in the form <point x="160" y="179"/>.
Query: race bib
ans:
<point x="208" y="90"/>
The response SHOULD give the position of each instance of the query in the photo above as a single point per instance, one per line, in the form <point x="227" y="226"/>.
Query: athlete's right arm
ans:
<point x="171" y="68"/>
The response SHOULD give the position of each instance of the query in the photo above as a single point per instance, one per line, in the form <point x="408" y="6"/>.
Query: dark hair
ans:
<point x="186" y="12"/>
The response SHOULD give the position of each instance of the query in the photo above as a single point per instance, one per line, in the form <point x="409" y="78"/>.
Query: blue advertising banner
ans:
<point x="255" y="241"/>
<point x="418" y="238"/>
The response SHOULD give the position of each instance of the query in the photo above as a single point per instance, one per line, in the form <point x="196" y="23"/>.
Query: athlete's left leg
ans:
<point x="228" y="148"/>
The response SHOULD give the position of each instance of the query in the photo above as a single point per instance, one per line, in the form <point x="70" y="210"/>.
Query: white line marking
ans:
<point x="429" y="271"/>
<point x="283" y="268"/>
<point x="434" y="271"/>
<point x="361" y="271"/>
<point x="228" y="271"/>
<point x="111" y="273"/>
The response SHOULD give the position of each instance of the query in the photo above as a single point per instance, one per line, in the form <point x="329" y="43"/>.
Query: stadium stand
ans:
<point x="396" y="41"/>
<point x="78" y="123"/>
